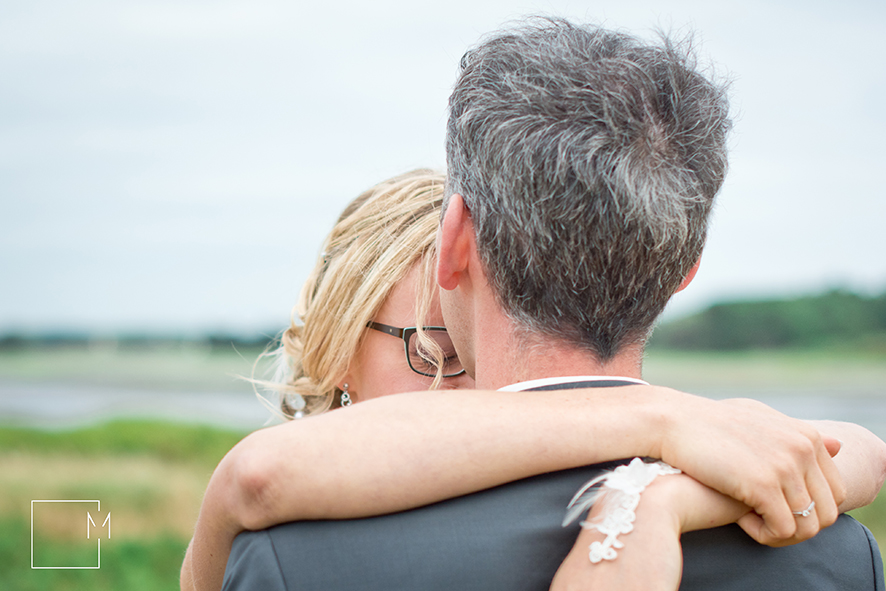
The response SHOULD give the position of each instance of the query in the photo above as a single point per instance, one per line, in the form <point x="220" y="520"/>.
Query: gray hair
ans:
<point x="589" y="161"/>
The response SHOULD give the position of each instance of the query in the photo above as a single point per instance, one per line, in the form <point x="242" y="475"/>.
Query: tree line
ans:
<point x="834" y="318"/>
<point x="133" y="341"/>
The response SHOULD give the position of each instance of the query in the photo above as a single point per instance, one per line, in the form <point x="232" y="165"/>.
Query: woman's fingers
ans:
<point x="806" y="527"/>
<point x="833" y="490"/>
<point x="805" y="507"/>
<point x="808" y="524"/>
<point x="801" y="468"/>
<point x="772" y="463"/>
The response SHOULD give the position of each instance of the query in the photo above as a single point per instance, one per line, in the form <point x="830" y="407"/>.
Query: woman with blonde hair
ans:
<point x="368" y="326"/>
<point x="384" y="235"/>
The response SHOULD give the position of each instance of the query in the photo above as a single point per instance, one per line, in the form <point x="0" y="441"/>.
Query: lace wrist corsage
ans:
<point x="619" y="492"/>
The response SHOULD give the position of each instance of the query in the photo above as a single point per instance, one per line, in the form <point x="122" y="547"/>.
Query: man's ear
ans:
<point x="455" y="239"/>
<point x="689" y="276"/>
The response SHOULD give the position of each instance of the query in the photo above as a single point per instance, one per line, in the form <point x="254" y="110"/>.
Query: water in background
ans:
<point x="61" y="406"/>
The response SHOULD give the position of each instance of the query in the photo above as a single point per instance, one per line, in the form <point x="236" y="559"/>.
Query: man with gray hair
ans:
<point x="582" y="168"/>
<point x="589" y="163"/>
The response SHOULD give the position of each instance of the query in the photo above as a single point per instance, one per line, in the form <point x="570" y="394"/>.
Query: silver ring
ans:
<point x="805" y="512"/>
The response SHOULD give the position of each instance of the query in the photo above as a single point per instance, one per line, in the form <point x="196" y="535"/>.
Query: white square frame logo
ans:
<point x="89" y="523"/>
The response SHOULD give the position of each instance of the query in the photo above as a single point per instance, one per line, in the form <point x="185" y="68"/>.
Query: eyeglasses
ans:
<point x="420" y="360"/>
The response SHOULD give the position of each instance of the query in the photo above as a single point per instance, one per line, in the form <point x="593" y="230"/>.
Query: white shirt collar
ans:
<point x="520" y="386"/>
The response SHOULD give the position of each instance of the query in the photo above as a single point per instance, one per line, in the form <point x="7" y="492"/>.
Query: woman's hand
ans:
<point x="652" y="558"/>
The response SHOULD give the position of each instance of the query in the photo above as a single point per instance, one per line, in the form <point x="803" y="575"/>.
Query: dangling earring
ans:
<point x="345" y="396"/>
<point x="295" y="404"/>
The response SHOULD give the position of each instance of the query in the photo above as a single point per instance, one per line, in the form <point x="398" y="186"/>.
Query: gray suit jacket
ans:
<point x="509" y="538"/>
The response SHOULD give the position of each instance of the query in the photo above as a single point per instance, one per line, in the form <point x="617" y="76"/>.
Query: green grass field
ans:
<point x="149" y="475"/>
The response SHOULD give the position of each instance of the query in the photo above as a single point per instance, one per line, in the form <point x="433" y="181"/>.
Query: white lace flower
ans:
<point x="624" y="485"/>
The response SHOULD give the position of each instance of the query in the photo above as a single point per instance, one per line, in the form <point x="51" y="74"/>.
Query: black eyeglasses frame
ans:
<point x="405" y="334"/>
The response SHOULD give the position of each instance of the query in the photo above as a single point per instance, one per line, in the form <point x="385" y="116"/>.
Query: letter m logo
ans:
<point x="95" y="531"/>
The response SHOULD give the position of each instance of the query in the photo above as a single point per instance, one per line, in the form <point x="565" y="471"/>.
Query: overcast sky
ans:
<point x="174" y="165"/>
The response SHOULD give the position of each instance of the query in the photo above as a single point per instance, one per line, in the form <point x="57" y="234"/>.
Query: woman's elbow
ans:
<point x="250" y="485"/>
<point x="874" y="466"/>
<point x="879" y="461"/>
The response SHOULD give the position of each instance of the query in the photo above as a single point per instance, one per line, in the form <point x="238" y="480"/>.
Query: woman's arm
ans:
<point x="409" y="450"/>
<point x="652" y="557"/>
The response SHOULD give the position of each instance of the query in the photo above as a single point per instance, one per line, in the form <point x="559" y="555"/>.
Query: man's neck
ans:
<point x="498" y="350"/>
<point x="520" y="360"/>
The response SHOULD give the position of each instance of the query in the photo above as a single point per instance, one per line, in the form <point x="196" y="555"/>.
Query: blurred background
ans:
<point x="168" y="170"/>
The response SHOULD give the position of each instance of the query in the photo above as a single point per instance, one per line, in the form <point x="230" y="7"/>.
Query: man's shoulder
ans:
<point x="253" y="564"/>
<point x="843" y="557"/>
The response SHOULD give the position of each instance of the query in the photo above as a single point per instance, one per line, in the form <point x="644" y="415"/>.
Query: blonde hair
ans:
<point x="377" y="240"/>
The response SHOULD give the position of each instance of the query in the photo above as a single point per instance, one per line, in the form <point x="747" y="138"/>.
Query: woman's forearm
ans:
<point x="406" y="451"/>
<point x="409" y="450"/>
